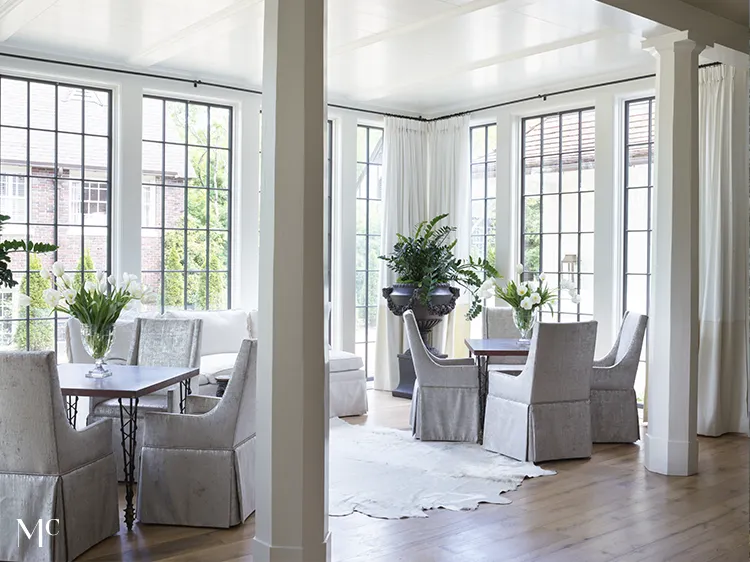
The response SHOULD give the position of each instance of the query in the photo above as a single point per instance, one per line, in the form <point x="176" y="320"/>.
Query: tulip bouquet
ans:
<point x="96" y="305"/>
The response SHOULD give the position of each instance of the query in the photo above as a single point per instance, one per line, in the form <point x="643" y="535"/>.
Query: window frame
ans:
<point x="485" y="163"/>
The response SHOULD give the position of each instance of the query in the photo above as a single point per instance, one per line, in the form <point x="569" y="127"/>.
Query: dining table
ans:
<point x="127" y="384"/>
<point x="483" y="350"/>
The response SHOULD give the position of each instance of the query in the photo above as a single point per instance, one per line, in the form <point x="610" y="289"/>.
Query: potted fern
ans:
<point x="7" y="247"/>
<point x="429" y="281"/>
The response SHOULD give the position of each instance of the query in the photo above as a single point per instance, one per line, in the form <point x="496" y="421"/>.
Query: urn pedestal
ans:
<point x="402" y="297"/>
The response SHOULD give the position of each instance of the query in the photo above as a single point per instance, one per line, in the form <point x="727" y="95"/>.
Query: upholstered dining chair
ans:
<point x="497" y="322"/>
<point x="198" y="468"/>
<point x="445" y="403"/>
<point x="614" y="408"/>
<point x="157" y="342"/>
<point x="544" y="413"/>
<point x="48" y="470"/>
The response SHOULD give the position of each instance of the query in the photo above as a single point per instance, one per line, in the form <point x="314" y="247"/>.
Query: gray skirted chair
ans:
<point x="544" y="414"/>
<point x="48" y="470"/>
<point x="198" y="469"/>
<point x="497" y="322"/>
<point x="157" y="342"/>
<point x="445" y="403"/>
<point x="614" y="408"/>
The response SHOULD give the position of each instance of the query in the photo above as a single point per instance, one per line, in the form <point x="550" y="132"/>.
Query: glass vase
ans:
<point x="97" y="341"/>
<point x="524" y="321"/>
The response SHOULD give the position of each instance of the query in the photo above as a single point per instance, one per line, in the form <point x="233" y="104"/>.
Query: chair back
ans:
<point x="120" y="345"/>
<point x="630" y="338"/>
<point x="561" y="360"/>
<point x="166" y="342"/>
<point x="419" y="353"/>
<point x="238" y="405"/>
<point x="498" y="323"/>
<point x="32" y="413"/>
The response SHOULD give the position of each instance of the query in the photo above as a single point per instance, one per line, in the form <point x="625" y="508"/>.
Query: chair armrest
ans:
<point x="185" y="431"/>
<point x="87" y="445"/>
<point x="509" y="387"/>
<point x="454" y="362"/>
<point x="197" y="404"/>
<point x="611" y="378"/>
<point x="602" y="363"/>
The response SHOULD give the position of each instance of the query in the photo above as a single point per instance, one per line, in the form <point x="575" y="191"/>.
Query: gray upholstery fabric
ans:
<point x="445" y="403"/>
<point x="497" y="322"/>
<point x="199" y="469"/>
<point x="544" y="412"/>
<point x="614" y="410"/>
<point x="158" y="342"/>
<point x="49" y="470"/>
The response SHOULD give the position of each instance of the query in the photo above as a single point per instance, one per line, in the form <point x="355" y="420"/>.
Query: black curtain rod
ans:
<point x="197" y="83"/>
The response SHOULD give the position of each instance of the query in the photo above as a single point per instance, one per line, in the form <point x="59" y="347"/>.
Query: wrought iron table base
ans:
<point x="128" y="428"/>
<point x="71" y="409"/>
<point x="184" y="393"/>
<point x="483" y="364"/>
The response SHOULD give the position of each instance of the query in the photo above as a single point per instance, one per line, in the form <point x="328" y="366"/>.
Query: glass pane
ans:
<point x="532" y="176"/>
<point x="95" y="244"/>
<point x="531" y="214"/>
<point x="376" y="145"/>
<point x="13" y="150"/>
<point x="219" y="251"/>
<point x="220" y="126"/>
<point x="153" y="115"/>
<point x="477" y="217"/>
<point x="375" y="182"/>
<point x="551" y="175"/>
<point x="375" y="224"/>
<point x="96" y="112"/>
<point x="361" y="252"/>
<point x="361" y="144"/>
<point x="151" y="158"/>
<point x="360" y="333"/>
<point x="174" y="291"/>
<point x="175" y="121"/>
<point x="373" y="263"/>
<point x="373" y="291"/>
<point x="492" y="143"/>
<point x="41" y="335"/>
<point x="151" y="205"/>
<point x="587" y="253"/>
<point x="587" y="293"/>
<point x="491" y="216"/>
<point x="174" y="250"/>
<point x="69" y="109"/>
<point x="551" y="132"/>
<point x="637" y="243"/>
<point x="43" y="102"/>
<point x="14" y="102"/>
<point x="196" y="250"/>
<point x="96" y="158"/>
<point x="638" y="122"/>
<point x="636" y="293"/>
<point x="14" y="199"/>
<point x="478" y="149"/>
<point x="570" y="213"/>
<point x="570" y="173"/>
<point x="570" y="132"/>
<point x="150" y="249"/>
<point x="69" y="154"/>
<point x="587" y="212"/>
<point x="219" y="167"/>
<point x="217" y="288"/>
<point x="531" y="253"/>
<point x="637" y="171"/>
<point x="174" y="164"/>
<point x="477" y="246"/>
<point x="360" y="291"/>
<point x="197" y="166"/>
<point x="197" y="208"/>
<point x="550" y="259"/>
<point x="532" y="137"/>
<point x="361" y="216"/>
<point x="569" y="253"/>
<point x="588" y="163"/>
<point x="492" y="179"/>
<point x="174" y="207"/>
<point x="196" y="291"/>
<point x="153" y="282"/>
<point x="637" y="208"/>
<point x="198" y="124"/>
<point x="219" y="209"/>
<point x="550" y="213"/>
<point x="588" y="129"/>
<point x="477" y="181"/>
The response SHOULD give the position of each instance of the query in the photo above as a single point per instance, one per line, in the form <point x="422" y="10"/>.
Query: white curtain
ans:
<point x="404" y="205"/>
<point x="448" y="180"/>
<point x="723" y="287"/>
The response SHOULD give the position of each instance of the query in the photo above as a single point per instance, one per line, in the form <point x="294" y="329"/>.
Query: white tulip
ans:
<point x="112" y="280"/>
<point x="566" y="285"/>
<point x="102" y="287"/>
<point x="100" y="276"/>
<point x="519" y="268"/>
<point x="45" y="274"/>
<point x="23" y="300"/>
<point x="542" y="277"/>
<point x="576" y="299"/>
<point x="533" y="286"/>
<point x="522" y="289"/>
<point x="535" y="298"/>
<point x="90" y="286"/>
<point x="66" y="280"/>
<point x="69" y="295"/>
<point x="58" y="269"/>
<point x="51" y="297"/>
<point x="526" y="304"/>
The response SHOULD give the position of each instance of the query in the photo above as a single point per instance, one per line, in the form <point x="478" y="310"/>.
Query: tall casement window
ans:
<point x="369" y="195"/>
<point x="557" y="206"/>
<point x="637" y="220"/>
<point x="328" y="218"/>
<point x="483" y="191"/>
<point x="55" y="183"/>
<point x="187" y="203"/>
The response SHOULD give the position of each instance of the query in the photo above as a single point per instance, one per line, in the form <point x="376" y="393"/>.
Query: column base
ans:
<point x="671" y="458"/>
<point x="263" y="552"/>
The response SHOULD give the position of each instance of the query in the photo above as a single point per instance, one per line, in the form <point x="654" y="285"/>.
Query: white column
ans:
<point x="126" y="251"/>
<point x="606" y="187"/>
<point x="292" y="419"/>
<point x="671" y="439"/>
<point x="507" y="241"/>
<point x="246" y="215"/>
<point x="345" y="230"/>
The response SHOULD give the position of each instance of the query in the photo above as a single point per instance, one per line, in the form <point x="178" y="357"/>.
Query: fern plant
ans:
<point x="425" y="259"/>
<point x="7" y="247"/>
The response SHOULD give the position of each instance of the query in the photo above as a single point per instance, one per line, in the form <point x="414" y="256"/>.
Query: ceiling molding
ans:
<point x="499" y="59"/>
<point x="178" y="42"/>
<point x="15" y="14"/>
<point x="445" y="15"/>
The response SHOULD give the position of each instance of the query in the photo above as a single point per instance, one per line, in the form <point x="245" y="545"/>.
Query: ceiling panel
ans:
<point x="401" y="55"/>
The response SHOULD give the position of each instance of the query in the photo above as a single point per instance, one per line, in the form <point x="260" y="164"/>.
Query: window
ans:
<point x="557" y="206"/>
<point x="637" y="220"/>
<point x="187" y="203"/>
<point x="369" y="194"/>
<point x="53" y="137"/>
<point x="328" y="218"/>
<point x="483" y="191"/>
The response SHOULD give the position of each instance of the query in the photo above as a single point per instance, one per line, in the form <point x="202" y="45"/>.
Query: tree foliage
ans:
<point x="40" y="332"/>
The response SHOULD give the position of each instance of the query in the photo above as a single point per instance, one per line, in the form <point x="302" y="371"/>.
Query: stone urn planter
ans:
<point x="402" y="297"/>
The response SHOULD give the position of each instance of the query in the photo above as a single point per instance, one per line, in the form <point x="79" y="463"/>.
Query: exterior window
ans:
<point x="637" y="221"/>
<point x="369" y="195"/>
<point x="557" y="206"/>
<point x="92" y="201"/>
<point x="53" y="137"/>
<point x="187" y="203"/>
<point x="483" y="191"/>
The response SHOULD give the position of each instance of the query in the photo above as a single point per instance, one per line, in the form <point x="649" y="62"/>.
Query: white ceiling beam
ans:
<point x="496" y="60"/>
<point x="444" y="15"/>
<point x="15" y="14"/>
<point x="174" y="44"/>
<point x="708" y="28"/>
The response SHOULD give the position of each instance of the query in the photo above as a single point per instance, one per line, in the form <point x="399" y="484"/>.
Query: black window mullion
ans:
<point x="208" y="201"/>
<point x="163" y="275"/>
<point x="185" y="212"/>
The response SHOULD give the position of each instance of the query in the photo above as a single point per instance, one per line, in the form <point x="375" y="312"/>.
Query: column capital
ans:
<point x="677" y="40"/>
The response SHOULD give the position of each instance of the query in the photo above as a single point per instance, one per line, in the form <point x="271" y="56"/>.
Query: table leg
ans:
<point x="128" y="428"/>
<point x="483" y="374"/>
<point x="71" y="409"/>
<point x="184" y="393"/>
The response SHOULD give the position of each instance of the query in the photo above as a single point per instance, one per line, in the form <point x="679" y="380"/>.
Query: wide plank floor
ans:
<point x="602" y="509"/>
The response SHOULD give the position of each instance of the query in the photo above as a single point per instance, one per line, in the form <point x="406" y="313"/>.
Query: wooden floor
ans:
<point x="605" y="508"/>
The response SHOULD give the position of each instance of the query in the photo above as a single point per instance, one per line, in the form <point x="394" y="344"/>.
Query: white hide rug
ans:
<point x="388" y="474"/>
